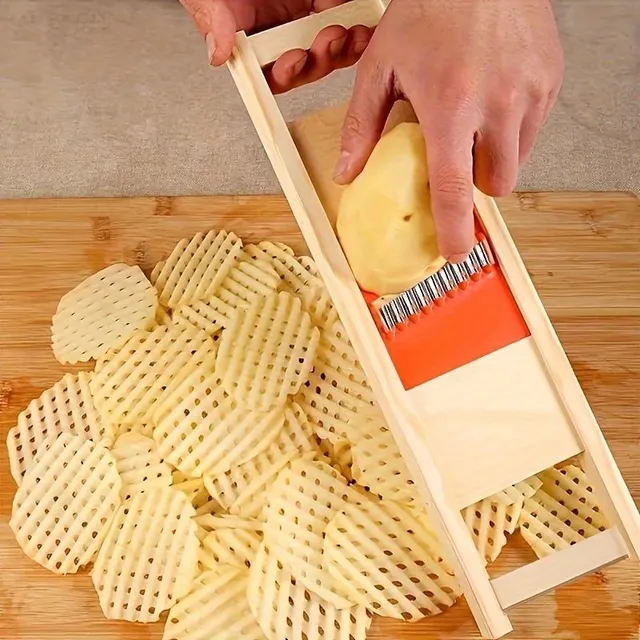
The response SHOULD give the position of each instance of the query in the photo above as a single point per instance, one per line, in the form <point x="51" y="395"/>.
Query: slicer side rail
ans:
<point x="352" y="309"/>
<point x="600" y="466"/>
<point x="487" y="598"/>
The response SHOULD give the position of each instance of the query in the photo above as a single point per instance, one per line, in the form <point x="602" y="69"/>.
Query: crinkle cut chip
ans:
<point x="285" y="609"/>
<point x="149" y="558"/>
<point x="202" y="430"/>
<point x="301" y="278"/>
<point x="216" y="607"/>
<point x="64" y="507"/>
<point x="66" y="407"/>
<point x="562" y="513"/>
<point x="389" y="561"/>
<point x="139" y="464"/>
<point x="236" y="547"/>
<point x="196" y="268"/>
<point x="300" y="505"/>
<point x="492" y="518"/>
<point x="267" y="352"/>
<point x="101" y="313"/>
<point x="379" y="466"/>
<point x="129" y="383"/>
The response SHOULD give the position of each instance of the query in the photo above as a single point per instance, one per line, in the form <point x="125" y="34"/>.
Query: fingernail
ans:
<point x="335" y="47"/>
<point x="299" y="65"/>
<point x="457" y="257"/>
<point x="211" y="46"/>
<point x="342" y="167"/>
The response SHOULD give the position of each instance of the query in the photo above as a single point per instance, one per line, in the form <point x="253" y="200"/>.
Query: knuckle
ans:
<point x="353" y="126"/>
<point x="507" y="100"/>
<point x="499" y="186"/>
<point x="451" y="188"/>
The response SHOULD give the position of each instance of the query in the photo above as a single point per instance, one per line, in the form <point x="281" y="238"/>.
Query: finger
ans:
<point x="321" y="5"/>
<point x="332" y="50"/>
<point x="358" y="39"/>
<point x="449" y="139"/>
<point x="496" y="157"/>
<point x="286" y="71"/>
<point x="322" y="58"/>
<point x="366" y="117"/>
<point x="216" y="23"/>
<point x="325" y="52"/>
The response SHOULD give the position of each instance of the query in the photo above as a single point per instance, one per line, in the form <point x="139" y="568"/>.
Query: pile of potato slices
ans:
<point x="225" y="468"/>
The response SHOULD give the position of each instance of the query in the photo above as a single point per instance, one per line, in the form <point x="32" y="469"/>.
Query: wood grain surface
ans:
<point x="581" y="249"/>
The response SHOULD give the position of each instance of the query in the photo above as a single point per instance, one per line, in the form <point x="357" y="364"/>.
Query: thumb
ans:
<point x="366" y="117"/>
<point x="216" y="23"/>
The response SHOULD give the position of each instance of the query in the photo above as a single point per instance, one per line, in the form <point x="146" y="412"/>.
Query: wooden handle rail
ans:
<point x="268" y="46"/>
<point x="562" y="567"/>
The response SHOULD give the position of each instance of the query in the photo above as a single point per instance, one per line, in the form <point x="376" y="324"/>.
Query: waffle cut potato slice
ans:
<point x="336" y="396"/>
<point x="200" y="314"/>
<point x="243" y="490"/>
<point x="489" y="520"/>
<point x="149" y="558"/>
<point x="233" y="546"/>
<point x="145" y="430"/>
<point x="195" y="268"/>
<point x="338" y="455"/>
<point x="201" y="430"/>
<point x="253" y="277"/>
<point x="267" y="352"/>
<point x="64" y="507"/>
<point x="379" y="466"/>
<point x="129" y="383"/>
<point x="164" y="316"/>
<point x="139" y="464"/>
<point x="216" y="608"/>
<point x="66" y="407"/>
<point x="300" y="505"/>
<point x="300" y="277"/>
<point x="562" y="513"/>
<point x="389" y="559"/>
<point x="213" y="522"/>
<point x="101" y="313"/>
<point x="193" y="488"/>
<point x="285" y="609"/>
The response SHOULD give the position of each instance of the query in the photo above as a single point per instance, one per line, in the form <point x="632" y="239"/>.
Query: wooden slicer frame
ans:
<point x="466" y="450"/>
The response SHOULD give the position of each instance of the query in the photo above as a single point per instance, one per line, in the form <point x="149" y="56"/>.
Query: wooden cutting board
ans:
<point x="582" y="251"/>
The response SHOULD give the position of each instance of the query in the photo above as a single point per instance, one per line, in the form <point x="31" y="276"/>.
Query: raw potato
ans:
<point x="384" y="221"/>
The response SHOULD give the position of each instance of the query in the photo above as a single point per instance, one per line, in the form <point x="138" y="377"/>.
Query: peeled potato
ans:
<point x="384" y="221"/>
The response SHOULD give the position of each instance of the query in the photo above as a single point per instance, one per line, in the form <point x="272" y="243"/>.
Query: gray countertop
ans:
<point x="116" y="98"/>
